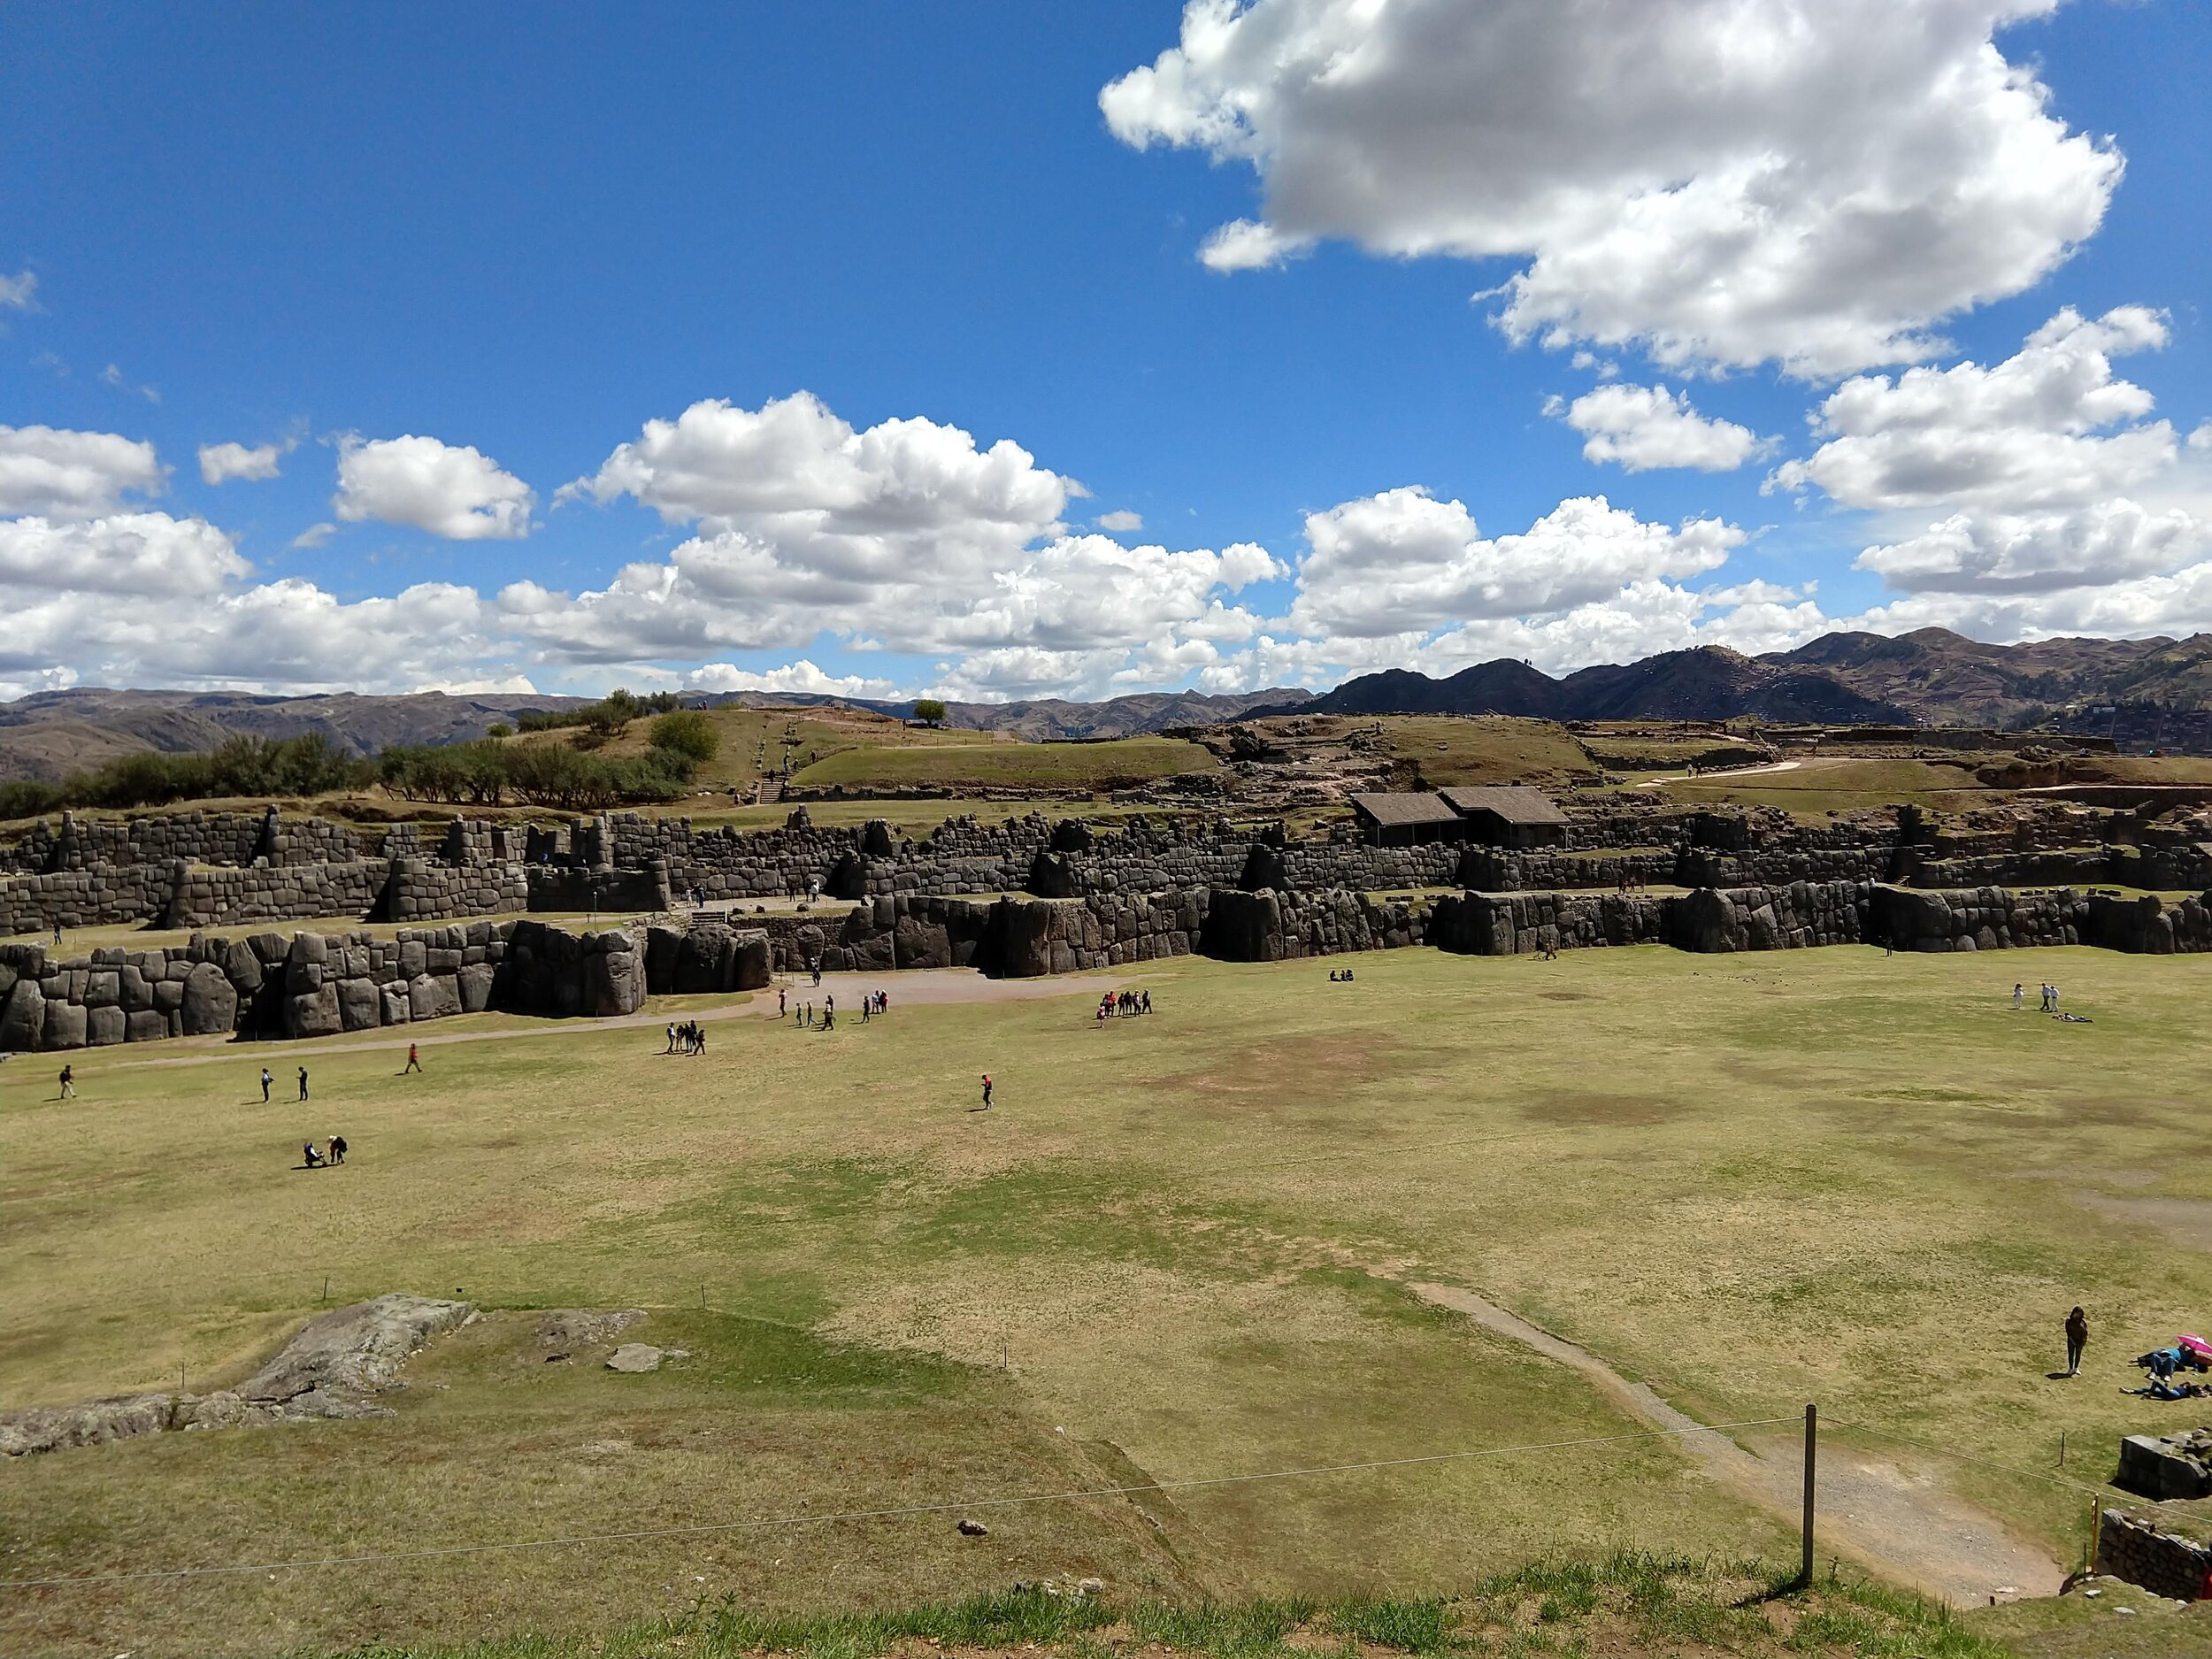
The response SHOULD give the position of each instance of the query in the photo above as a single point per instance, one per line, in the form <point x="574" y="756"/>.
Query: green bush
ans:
<point x="253" y="766"/>
<point x="688" y="733"/>
<point x="929" y="711"/>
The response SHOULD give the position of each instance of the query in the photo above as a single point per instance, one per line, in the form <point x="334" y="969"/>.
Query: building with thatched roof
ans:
<point x="1508" y="816"/>
<point x="1405" y="820"/>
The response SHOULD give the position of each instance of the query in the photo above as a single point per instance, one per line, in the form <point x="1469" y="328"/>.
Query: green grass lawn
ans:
<point x="980" y="764"/>
<point x="1175" y="1250"/>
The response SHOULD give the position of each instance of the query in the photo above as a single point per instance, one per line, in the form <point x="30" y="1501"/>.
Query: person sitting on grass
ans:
<point x="314" y="1159"/>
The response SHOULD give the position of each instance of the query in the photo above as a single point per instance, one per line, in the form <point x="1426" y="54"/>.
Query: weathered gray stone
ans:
<point x="635" y="1358"/>
<point x="475" y="982"/>
<point x="358" y="1004"/>
<point x="313" y="1014"/>
<point x="22" y="1017"/>
<point x="210" y="1007"/>
<point x="66" y="1025"/>
<point x="432" y="996"/>
<point x="103" y="1026"/>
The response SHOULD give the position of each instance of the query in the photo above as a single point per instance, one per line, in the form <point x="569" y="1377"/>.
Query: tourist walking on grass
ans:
<point x="69" y="1082"/>
<point x="986" y="1091"/>
<point x="414" y="1060"/>
<point x="303" y="1082"/>
<point x="2019" y="997"/>
<point x="266" y="1081"/>
<point x="2077" y="1339"/>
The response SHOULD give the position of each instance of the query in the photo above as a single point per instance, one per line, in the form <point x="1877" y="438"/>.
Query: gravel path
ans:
<point x="1895" y="1524"/>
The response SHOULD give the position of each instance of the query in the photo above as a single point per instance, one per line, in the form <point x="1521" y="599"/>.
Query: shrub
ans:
<point x="929" y="711"/>
<point x="688" y="733"/>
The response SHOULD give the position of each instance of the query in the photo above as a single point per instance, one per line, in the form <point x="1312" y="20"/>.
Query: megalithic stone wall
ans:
<point x="312" y="985"/>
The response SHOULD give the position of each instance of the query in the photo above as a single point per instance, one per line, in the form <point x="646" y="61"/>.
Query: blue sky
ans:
<point x="527" y="235"/>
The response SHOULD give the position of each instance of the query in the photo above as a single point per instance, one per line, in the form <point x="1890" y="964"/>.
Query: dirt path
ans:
<point x="909" y="987"/>
<point x="1892" y="1523"/>
<point x="1734" y="771"/>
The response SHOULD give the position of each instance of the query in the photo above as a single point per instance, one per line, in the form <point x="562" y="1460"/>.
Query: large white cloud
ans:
<point x="907" y="536"/>
<point x="2048" y="470"/>
<point x="2018" y="435"/>
<point x="2106" y="542"/>
<point x="129" y="555"/>
<point x="58" y="473"/>
<point x="1722" y="182"/>
<point x="1403" y="561"/>
<point x="1646" y="427"/>
<point x="454" y="491"/>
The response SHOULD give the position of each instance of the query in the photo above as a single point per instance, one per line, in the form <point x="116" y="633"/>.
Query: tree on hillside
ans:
<point x="688" y="733"/>
<point x="929" y="711"/>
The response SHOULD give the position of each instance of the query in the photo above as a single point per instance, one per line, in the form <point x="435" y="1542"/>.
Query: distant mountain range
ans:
<point x="1054" y="718"/>
<point x="1929" y="678"/>
<point x="51" y="733"/>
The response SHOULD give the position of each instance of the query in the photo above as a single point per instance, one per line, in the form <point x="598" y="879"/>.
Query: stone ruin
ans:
<point x="1016" y="898"/>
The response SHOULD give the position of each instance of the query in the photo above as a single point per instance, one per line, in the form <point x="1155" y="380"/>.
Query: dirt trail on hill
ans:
<point x="1893" y="1523"/>
<point x="909" y="987"/>
<point x="1734" y="771"/>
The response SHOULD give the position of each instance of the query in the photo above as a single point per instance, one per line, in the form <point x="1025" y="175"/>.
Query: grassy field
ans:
<point x="1176" y="1249"/>
<point x="1836" y="785"/>
<point x="1627" y="1603"/>
<point x="1454" y="752"/>
<point x="985" y="765"/>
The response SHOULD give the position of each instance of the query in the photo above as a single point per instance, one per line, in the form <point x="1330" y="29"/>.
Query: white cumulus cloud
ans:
<point x="1723" y="183"/>
<point x="19" y="292"/>
<point x="62" y="475"/>
<point x="1404" y="562"/>
<point x="802" y="676"/>
<point x="2017" y="434"/>
<point x="1120" y="520"/>
<point x="1645" y="427"/>
<point x="454" y="491"/>
<point x="220" y="463"/>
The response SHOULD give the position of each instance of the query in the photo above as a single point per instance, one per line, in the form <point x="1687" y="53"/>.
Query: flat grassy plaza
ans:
<point x="1178" y="1247"/>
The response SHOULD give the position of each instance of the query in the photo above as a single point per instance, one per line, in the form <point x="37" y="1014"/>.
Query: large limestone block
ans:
<point x="358" y="1004"/>
<point x="66" y="1025"/>
<point x="313" y="1013"/>
<point x="103" y="1026"/>
<point x="145" y="1024"/>
<point x="211" y="1002"/>
<point x="22" y="1017"/>
<point x="434" y="997"/>
<point x="242" y="966"/>
<point x="396" y="1008"/>
<point x="475" y="983"/>
<point x="104" y="988"/>
<point x="134" y="994"/>
<point x="614" y="982"/>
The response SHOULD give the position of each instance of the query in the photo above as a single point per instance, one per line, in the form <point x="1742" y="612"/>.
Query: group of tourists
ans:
<point x="1117" y="1003"/>
<point x="268" y="1081"/>
<point x="2049" y="1004"/>
<point x="688" y="1038"/>
<point x="311" y="1159"/>
<point x="1340" y="976"/>
<point x="872" y="1004"/>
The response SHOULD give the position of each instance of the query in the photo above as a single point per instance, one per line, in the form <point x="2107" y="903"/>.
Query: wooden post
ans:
<point x="1812" y="1436"/>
